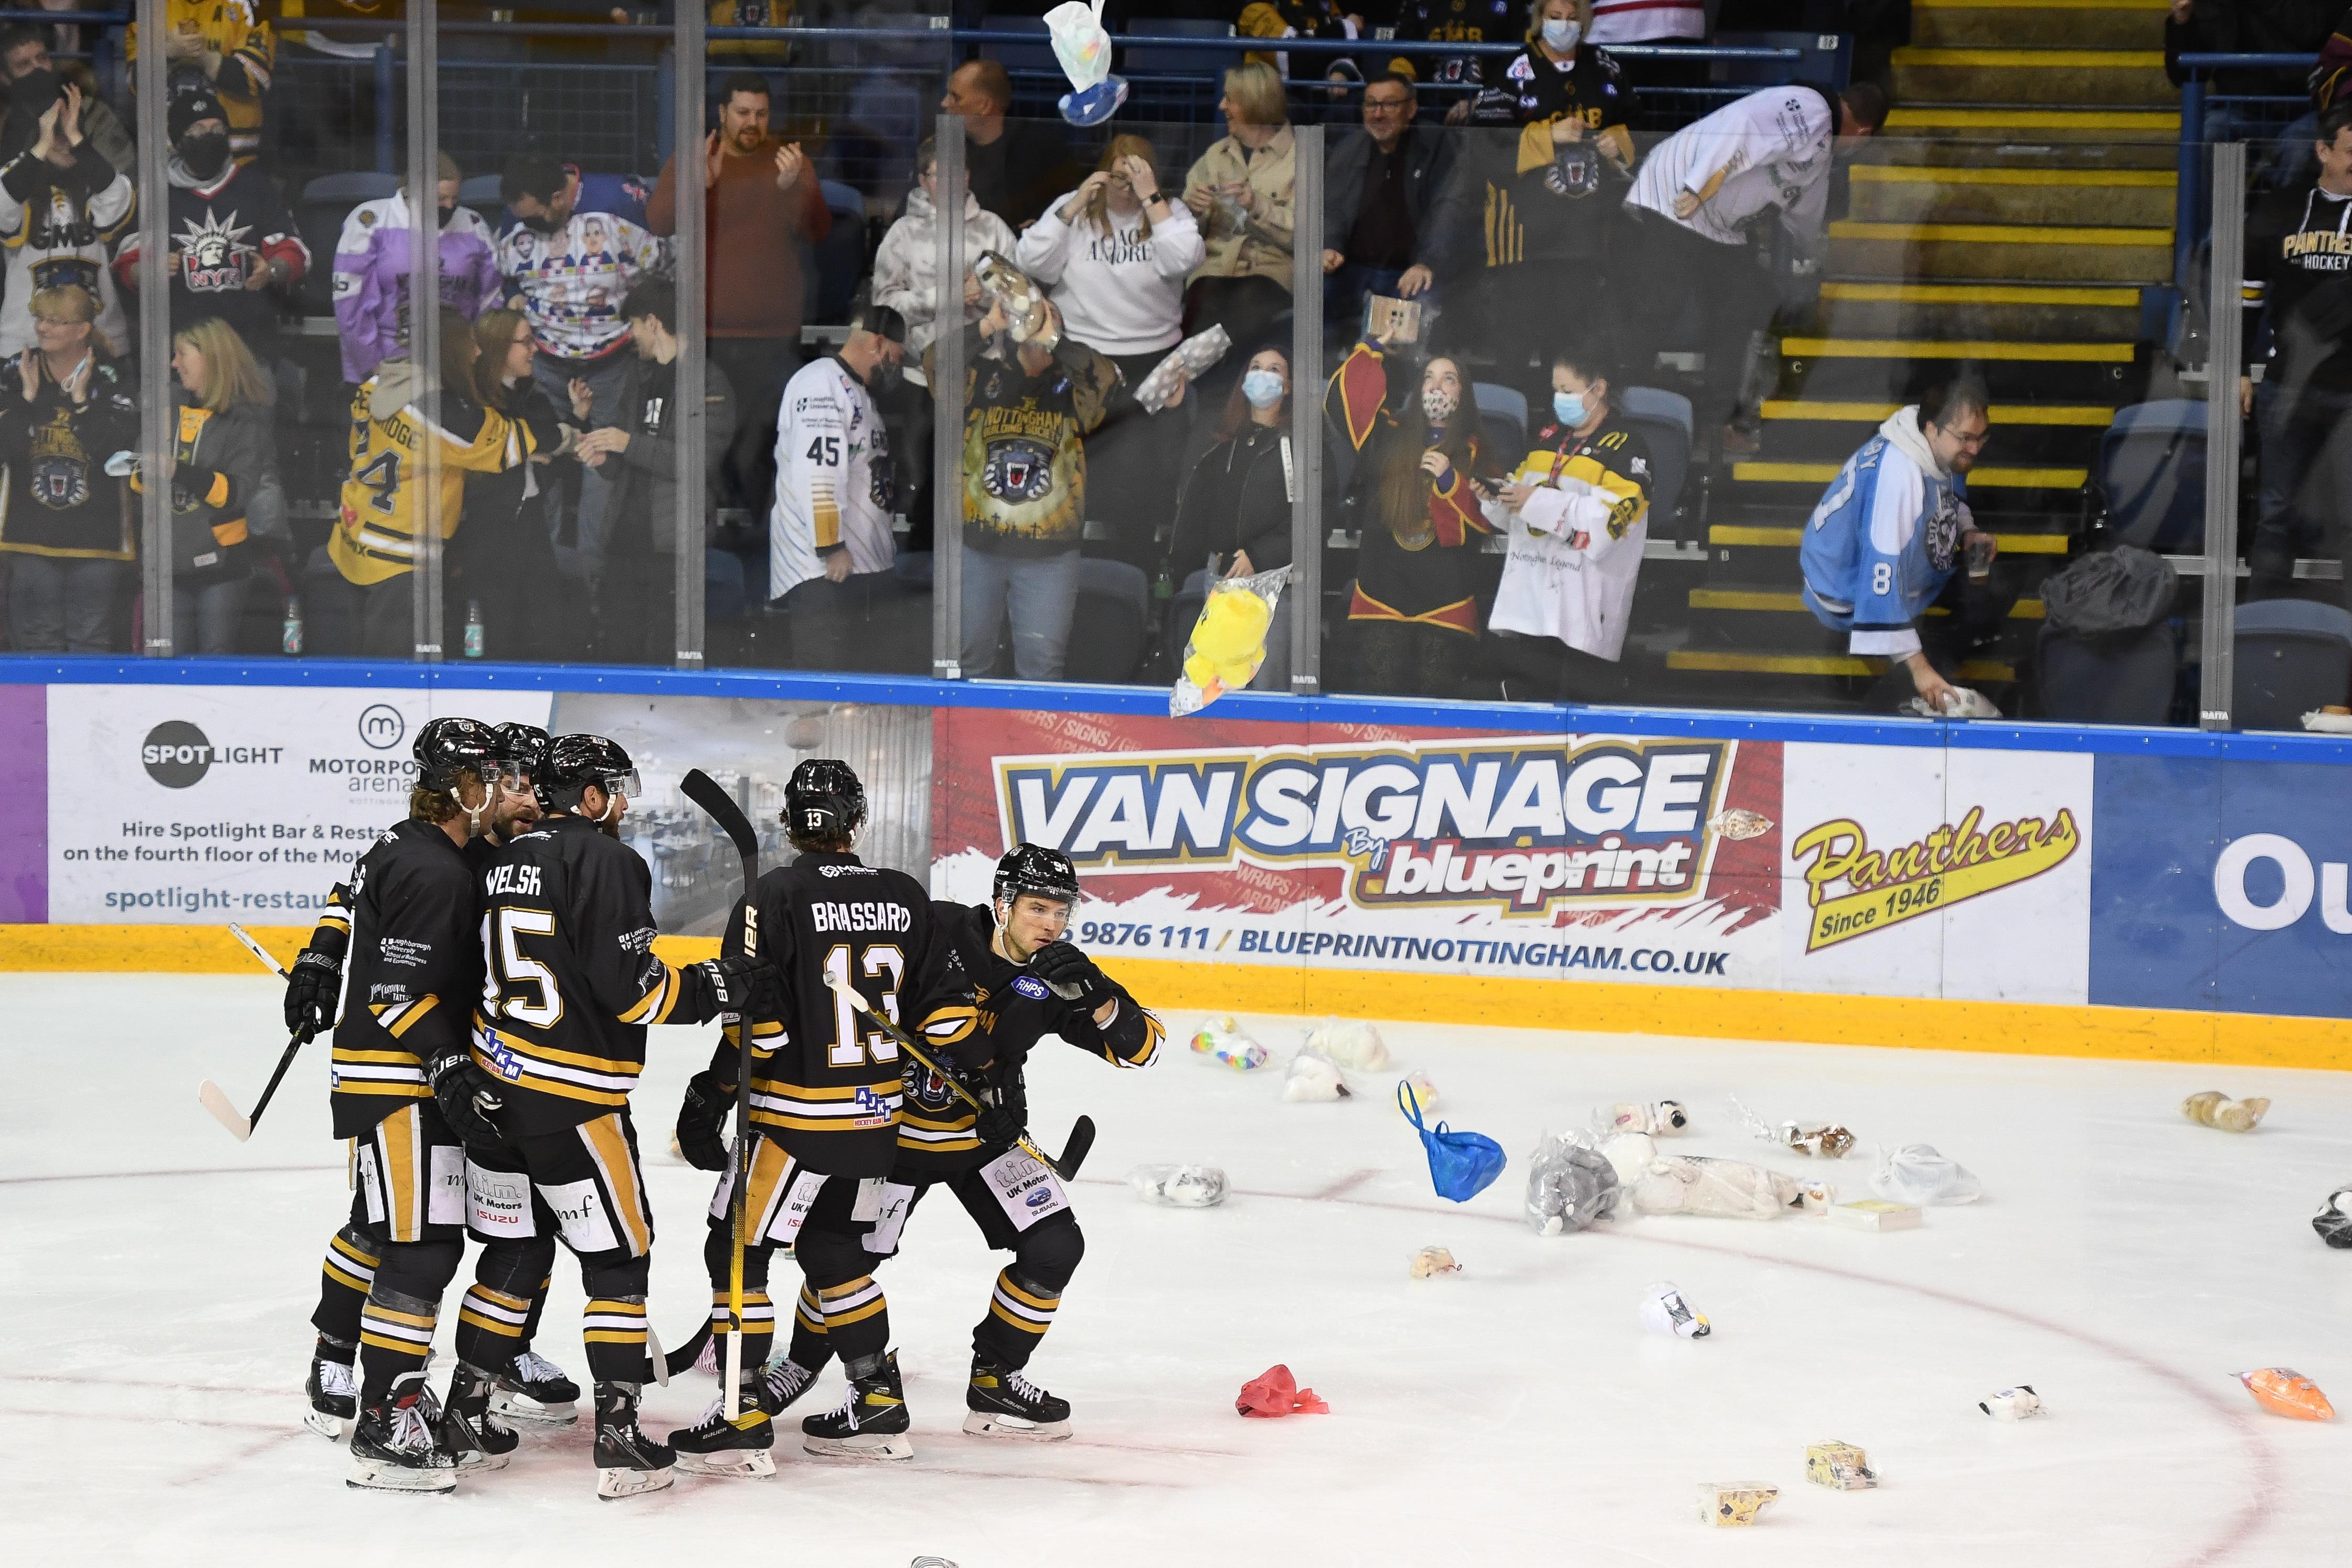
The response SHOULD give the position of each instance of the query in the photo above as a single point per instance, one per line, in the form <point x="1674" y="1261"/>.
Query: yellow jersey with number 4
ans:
<point x="375" y="532"/>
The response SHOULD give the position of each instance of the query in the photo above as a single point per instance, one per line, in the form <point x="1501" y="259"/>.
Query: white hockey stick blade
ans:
<point x="661" y="1363"/>
<point x="268" y="959"/>
<point x="211" y="1096"/>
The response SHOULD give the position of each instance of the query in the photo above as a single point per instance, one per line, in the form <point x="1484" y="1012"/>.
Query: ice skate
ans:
<point x="533" y="1388"/>
<point x="475" y="1440"/>
<point x="871" y="1422"/>
<point x="334" y="1399"/>
<point x="1003" y="1404"/>
<point x="783" y="1381"/>
<point x="715" y="1446"/>
<point x="395" y="1449"/>
<point x="628" y="1462"/>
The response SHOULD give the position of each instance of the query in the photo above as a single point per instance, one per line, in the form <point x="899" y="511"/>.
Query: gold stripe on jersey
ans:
<point x="397" y="1073"/>
<point x="852" y="1107"/>
<point x="933" y="1134"/>
<point x="399" y="1017"/>
<point x="570" y="1074"/>
<point x="948" y="1026"/>
<point x="1628" y="501"/>
<point x="608" y="1321"/>
<point x="657" y="1004"/>
<point x="1024" y="1310"/>
<point x="853" y="1302"/>
<point x="494" y="1312"/>
<point x="1153" y="1035"/>
<point x="809" y="1314"/>
<point x="348" y="1267"/>
<point x="773" y="1174"/>
<point x="616" y="1162"/>
<point x="387" y="1329"/>
<point x="759" y="1313"/>
<point x="400" y="1158"/>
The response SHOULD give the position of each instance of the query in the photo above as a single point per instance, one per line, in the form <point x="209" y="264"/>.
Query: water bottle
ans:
<point x="291" y="639"/>
<point x="1164" y="587"/>
<point x="472" y="628"/>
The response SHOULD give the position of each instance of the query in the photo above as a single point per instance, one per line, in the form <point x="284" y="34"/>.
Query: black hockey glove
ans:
<point x="312" y="988"/>
<point x="745" y="986"/>
<point x="701" y="1120"/>
<point x="1070" y="975"/>
<point x="998" y="1127"/>
<point x="468" y="1097"/>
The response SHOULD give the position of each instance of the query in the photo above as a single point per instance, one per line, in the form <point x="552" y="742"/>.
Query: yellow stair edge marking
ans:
<point x="2000" y="414"/>
<point x="1737" y="598"/>
<point x="1813" y="665"/>
<point x="1992" y="478"/>
<point x="2125" y="296"/>
<point x="2163" y="119"/>
<point x="2043" y="4"/>
<point x="2011" y="544"/>
<point x="2000" y="233"/>
<point x="1938" y="174"/>
<point x="2102" y="59"/>
<point x="1920" y="349"/>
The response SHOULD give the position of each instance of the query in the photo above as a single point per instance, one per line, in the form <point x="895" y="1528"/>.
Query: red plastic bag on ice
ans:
<point x="1278" y="1394"/>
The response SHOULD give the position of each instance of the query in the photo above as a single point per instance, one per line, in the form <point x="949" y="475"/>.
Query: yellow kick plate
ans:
<point x="2072" y="60"/>
<point x="1927" y="349"/>
<point x="2000" y="414"/>
<point x="2011" y="544"/>
<point x="1979" y="479"/>
<point x="2000" y="233"/>
<point x="1936" y="174"/>
<point x="1812" y="664"/>
<point x="1982" y="294"/>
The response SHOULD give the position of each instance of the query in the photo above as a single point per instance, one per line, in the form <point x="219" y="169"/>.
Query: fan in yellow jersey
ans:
<point x="383" y="506"/>
<point x="559" y="1040"/>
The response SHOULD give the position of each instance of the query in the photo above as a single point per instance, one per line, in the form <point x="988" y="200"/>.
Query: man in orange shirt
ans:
<point x="765" y="202"/>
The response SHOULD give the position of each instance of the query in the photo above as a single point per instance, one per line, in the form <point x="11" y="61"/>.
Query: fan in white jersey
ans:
<point x="830" y="549"/>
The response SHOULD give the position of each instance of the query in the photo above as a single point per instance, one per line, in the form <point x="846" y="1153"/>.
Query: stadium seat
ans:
<point x="1168" y="59"/>
<point x="481" y="193"/>
<point x="2293" y="655"/>
<point x="1017" y="51"/>
<point x="1112" y="618"/>
<point x="318" y="216"/>
<point x="2127" y="678"/>
<point x="1504" y="411"/>
<point x="840" y="255"/>
<point x="2150" y="474"/>
<point x="725" y="594"/>
<point x="1664" y="418"/>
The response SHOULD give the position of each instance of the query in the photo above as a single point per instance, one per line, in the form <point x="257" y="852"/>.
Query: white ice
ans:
<point x="156" y="1281"/>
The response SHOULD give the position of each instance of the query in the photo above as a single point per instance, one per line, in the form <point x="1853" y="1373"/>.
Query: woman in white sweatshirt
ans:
<point x="906" y="269"/>
<point x="1114" y="254"/>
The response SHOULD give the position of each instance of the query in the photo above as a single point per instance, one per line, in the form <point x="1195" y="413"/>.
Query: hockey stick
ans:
<point x="211" y="1095"/>
<point x="847" y="992"/>
<point x="1074" y="1153"/>
<point x="703" y="790"/>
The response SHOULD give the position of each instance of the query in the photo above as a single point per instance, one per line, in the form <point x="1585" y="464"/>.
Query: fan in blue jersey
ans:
<point x="1887" y="537"/>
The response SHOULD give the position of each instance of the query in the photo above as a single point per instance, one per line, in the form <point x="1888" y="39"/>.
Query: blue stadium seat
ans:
<point x="1025" y="49"/>
<point x="1664" y="418"/>
<point x="2293" y="655"/>
<point x="1505" y="411"/>
<point x="1112" y="619"/>
<point x="2151" y="475"/>
<point x="2127" y="678"/>
<point x="1168" y="59"/>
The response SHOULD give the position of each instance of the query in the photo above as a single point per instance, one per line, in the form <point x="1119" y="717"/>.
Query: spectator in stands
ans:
<point x="765" y="203"/>
<point x="830" y="548"/>
<point x="372" y="260"/>
<point x="1577" y="513"/>
<point x="639" y="614"/>
<point x="1326" y="19"/>
<point x="70" y="38"/>
<point x="62" y="208"/>
<point x="1030" y="405"/>
<point x="1691" y="206"/>
<point x="503" y="560"/>
<point x="1648" y="21"/>
<point x="2299" y="277"/>
<point x="1531" y="193"/>
<point x="1379" y="185"/>
<point x="1889" y="538"/>
<point x="1413" y="611"/>
<point x="34" y="83"/>
<point x="2247" y="27"/>
<point x="906" y="267"/>
<point x="2331" y="78"/>
<point x="385" y="504"/>
<point x="234" y="248"/>
<point x="226" y="46"/>
<point x="1114" y="253"/>
<point x="751" y="14"/>
<point x="68" y="531"/>
<point x="1235" y="511"/>
<point x="1240" y="191"/>
<point x="1014" y="167"/>
<point x="574" y="251"/>
<point x="1457" y="76"/>
<point x="224" y="488"/>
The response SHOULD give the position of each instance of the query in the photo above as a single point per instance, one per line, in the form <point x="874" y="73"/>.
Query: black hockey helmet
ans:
<point x="525" y="743"/>
<point x="446" y="748"/>
<point x="1034" y="869"/>
<point x="576" y="762"/>
<point x="824" y="800"/>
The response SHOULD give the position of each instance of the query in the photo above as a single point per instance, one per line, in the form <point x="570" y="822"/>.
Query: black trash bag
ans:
<point x="2126" y="589"/>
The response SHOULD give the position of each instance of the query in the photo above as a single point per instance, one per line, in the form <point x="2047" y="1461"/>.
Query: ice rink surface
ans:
<point x="156" y="1280"/>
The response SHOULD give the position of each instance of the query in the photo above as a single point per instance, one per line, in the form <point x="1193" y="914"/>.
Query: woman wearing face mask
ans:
<point x="1412" y="612"/>
<point x="1233" y="515"/>
<point x="1577" y="512"/>
<point x="224" y="488"/>
<point x="68" y="531"/>
<point x="234" y="249"/>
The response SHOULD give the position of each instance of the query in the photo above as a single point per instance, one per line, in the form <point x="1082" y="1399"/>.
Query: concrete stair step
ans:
<point x="1981" y="478"/>
<point x="1957" y="310"/>
<point x="1751" y="662"/>
<point x="2149" y="133"/>
<point x="1730" y="602"/>
<point x="1898" y="193"/>
<point x="1817" y="433"/>
<point x="2038" y="24"/>
<point x="1876" y="370"/>
<point x="2073" y="77"/>
<point x="1860" y="247"/>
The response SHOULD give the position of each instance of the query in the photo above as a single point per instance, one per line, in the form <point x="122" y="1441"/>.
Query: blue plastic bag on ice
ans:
<point x="1461" y="1165"/>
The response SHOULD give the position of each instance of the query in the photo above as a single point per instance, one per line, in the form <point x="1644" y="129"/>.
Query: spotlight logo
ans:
<point x="177" y="755"/>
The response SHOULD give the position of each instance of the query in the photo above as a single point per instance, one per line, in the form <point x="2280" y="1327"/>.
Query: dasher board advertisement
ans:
<point x="1405" y="849"/>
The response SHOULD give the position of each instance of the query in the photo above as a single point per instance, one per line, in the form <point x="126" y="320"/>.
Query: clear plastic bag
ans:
<point x="1570" y="1185"/>
<point x="1726" y="1189"/>
<point x="1312" y="1077"/>
<point x="1083" y="49"/>
<point x="1915" y="1174"/>
<point x="1353" y="1044"/>
<point x="1178" y="1186"/>
<point x="1228" y="641"/>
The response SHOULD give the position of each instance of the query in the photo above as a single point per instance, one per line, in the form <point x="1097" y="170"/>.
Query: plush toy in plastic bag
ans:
<point x="1915" y="1174"/>
<point x="1570" y="1185"/>
<point x="1727" y="1189"/>
<point x="1461" y="1165"/>
<point x="1228" y="643"/>
<point x="1083" y="50"/>
<point x="1313" y="1076"/>
<point x="1351" y="1043"/>
<point x="1224" y="1042"/>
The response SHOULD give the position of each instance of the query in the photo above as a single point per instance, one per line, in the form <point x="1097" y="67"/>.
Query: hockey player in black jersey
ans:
<point x="558" y="1042"/>
<point x="511" y="1276"/>
<point x="824" y="1089"/>
<point x="1030" y="984"/>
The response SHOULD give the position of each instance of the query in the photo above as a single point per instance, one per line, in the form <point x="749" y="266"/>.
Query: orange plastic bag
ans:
<point x="2287" y="1393"/>
<point x="1278" y="1394"/>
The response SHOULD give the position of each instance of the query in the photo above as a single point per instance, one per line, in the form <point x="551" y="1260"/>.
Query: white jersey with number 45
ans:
<point x="834" y="486"/>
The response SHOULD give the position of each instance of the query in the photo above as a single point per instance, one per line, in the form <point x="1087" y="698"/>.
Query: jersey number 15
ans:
<point x="516" y="986"/>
